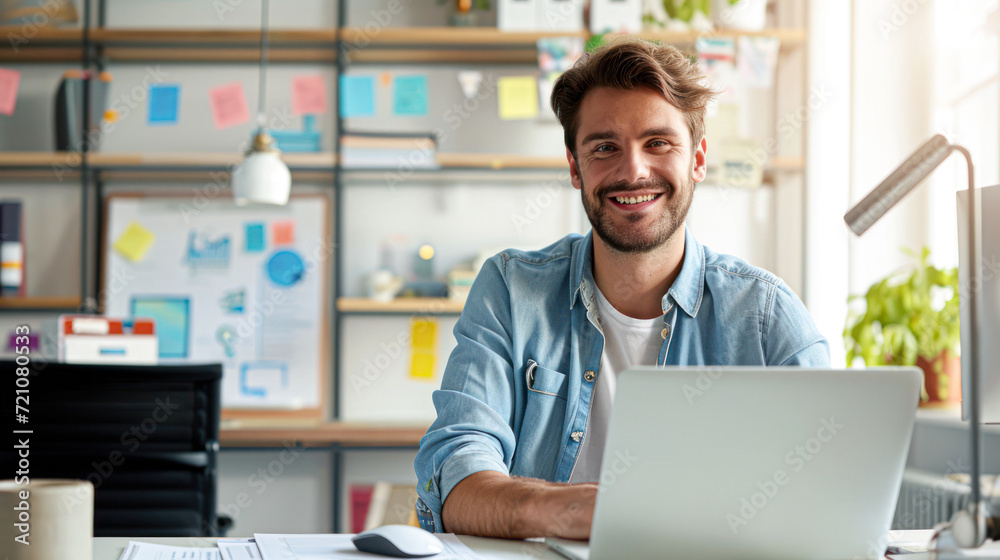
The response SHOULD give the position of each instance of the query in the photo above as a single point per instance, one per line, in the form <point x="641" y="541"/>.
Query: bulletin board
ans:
<point x="244" y="286"/>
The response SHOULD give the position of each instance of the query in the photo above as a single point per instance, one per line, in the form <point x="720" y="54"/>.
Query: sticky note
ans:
<point x="410" y="96"/>
<point x="357" y="96"/>
<point x="423" y="348"/>
<point x="283" y="233"/>
<point x="255" y="237"/>
<point x="134" y="242"/>
<point x="308" y="95"/>
<point x="10" y="80"/>
<point x="385" y="79"/>
<point x="229" y="105"/>
<point x="518" y="97"/>
<point x="163" y="102"/>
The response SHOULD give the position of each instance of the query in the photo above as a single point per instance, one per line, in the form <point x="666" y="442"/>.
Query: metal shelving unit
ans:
<point x="95" y="47"/>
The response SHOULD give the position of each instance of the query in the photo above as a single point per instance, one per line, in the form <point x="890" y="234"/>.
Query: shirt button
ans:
<point x="589" y="375"/>
<point x="665" y="332"/>
<point x="577" y="436"/>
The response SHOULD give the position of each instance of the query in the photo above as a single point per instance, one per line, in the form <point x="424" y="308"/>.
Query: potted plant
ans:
<point x="678" y="15"/>
<point x="744" y="15"/>
<point x="465" y="13"/>
<point x="912" y="318"/>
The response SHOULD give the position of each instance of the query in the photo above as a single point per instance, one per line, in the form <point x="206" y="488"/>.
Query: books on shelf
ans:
<point x="388" y="151"/>
<point x="361" y="498"/>
<point x="12" y="282"/>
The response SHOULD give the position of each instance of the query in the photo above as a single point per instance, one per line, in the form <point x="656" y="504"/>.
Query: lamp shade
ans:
<point x="261" y="177"/>
<point x="897" y="185"/>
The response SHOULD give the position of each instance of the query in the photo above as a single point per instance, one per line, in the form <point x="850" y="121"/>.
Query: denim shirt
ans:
<point x="517" y="388"/>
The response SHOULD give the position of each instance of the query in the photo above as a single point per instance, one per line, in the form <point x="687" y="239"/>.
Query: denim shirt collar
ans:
<point x="687" y="289"/>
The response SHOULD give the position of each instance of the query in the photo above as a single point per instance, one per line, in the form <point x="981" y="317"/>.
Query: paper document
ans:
<point x="239" y="549"/>
<point x="148" y="551"/>
<point x="327" y="546"/>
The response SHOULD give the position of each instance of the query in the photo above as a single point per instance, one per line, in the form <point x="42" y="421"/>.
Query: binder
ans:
<point x="69" y="110"/>
<point x="11" y="249"/>
<point x="93" y="339"/>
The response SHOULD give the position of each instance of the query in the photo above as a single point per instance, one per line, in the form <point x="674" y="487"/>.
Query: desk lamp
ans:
<point x="262" y="177"/>
<point x="967" y="526"/>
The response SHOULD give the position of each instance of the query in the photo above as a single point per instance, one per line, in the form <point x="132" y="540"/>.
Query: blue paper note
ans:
<point x="255" y="237"/>
<point x="163" y="102"/>
<point x="357" y="96"/>
<point x="410" y="96"/>
<point x="172" y="316"/>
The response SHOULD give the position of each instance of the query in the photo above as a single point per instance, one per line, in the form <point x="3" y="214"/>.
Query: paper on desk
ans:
<point x="148" y="551"/>
<point x="238" y="549"/>
<point x="327" y="546"/>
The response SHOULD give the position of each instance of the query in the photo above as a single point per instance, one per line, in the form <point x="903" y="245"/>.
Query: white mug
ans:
<point x="47" y="519"/>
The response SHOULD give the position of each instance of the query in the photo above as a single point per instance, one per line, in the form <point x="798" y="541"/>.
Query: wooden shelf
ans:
<point x="167" y="160"/>
<point x="385" y="45"/>
<point x="501" y="161"/>
<point x="247" y="434"/>
<point x="448" y="36"/>
<point x="414" y="306"/>
<point x="39" y="303"/>
<point x="790" y="164"/>
<point x="21" y="160"/>
<point x="189" y="37"/>
<point x="789" y="36"/>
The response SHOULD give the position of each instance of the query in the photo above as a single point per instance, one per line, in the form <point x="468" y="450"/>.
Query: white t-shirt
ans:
<point x="627" y="342"/>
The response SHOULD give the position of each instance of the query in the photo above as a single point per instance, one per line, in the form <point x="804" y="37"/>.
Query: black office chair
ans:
<point x="147" y="437"/>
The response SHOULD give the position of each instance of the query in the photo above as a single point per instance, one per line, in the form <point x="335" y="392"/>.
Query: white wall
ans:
<point x="892" y="108"/>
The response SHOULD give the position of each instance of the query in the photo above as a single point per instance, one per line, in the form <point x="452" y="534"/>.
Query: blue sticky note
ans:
<point x="255" y="237"/>
<point x="357" y="96"/>
<point x="163" y="102"/>
<point x="410" y="96"/>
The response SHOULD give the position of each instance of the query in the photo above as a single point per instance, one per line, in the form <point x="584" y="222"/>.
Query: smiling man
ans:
<point x="524" y="404"/>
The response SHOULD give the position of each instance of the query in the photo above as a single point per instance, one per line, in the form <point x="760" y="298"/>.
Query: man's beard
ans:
<point x="625" y="239"/>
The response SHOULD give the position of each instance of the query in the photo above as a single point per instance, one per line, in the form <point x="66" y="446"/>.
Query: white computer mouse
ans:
<point x="400" y="541"/>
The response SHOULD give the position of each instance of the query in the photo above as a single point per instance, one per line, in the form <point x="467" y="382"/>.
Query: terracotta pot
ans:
<point x="942" y="390"/>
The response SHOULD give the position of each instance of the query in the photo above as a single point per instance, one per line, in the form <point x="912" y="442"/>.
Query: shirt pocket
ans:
<point x="545" y="381"/>
<point x="538" y="443"/>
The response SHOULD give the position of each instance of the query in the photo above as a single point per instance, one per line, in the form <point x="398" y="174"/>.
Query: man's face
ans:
<point x="635" y="167"/>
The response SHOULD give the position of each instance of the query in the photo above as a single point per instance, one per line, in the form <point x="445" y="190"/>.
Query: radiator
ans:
<point x="926" y="498"/>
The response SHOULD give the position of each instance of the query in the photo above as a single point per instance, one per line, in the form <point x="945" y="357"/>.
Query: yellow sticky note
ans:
<point x="423" y="348"/>
<point x="134" y="242"/>
<point x="518" y="97"/>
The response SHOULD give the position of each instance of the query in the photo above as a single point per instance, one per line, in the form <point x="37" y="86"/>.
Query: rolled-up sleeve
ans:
<point x="475" y="405"/>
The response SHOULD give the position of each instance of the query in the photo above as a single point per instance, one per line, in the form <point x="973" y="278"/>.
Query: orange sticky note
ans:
<point x="229" y="105"/>
<point x="308" y="95"/>
<point x="10" y="80"/>
<point x="385" y="79"/>
<point x="283" y="233"/>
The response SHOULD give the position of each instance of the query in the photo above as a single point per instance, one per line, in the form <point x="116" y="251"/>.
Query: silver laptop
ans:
<point x="750" y="462"/>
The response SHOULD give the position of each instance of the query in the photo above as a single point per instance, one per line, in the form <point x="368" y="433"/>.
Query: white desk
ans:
<point x="111" y="548"/>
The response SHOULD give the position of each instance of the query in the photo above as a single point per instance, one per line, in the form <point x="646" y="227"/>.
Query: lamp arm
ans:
<point x="975" y="490"/>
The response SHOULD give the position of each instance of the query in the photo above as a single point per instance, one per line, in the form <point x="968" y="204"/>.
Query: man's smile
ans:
<point x="634" y="201"/>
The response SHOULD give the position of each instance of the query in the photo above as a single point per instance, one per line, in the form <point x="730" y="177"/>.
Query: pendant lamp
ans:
<point x="262" y="177"/>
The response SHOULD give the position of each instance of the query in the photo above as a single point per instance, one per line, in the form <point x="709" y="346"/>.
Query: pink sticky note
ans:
<point x="308" y="95"/>
<point x="9" y="82"/>
<point x="229" y="105"/>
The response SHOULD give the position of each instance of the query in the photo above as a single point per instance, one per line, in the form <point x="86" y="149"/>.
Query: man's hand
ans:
<point x="492" y="504"/>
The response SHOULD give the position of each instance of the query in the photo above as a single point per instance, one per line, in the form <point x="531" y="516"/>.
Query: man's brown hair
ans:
<point x="629" y="63"/>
